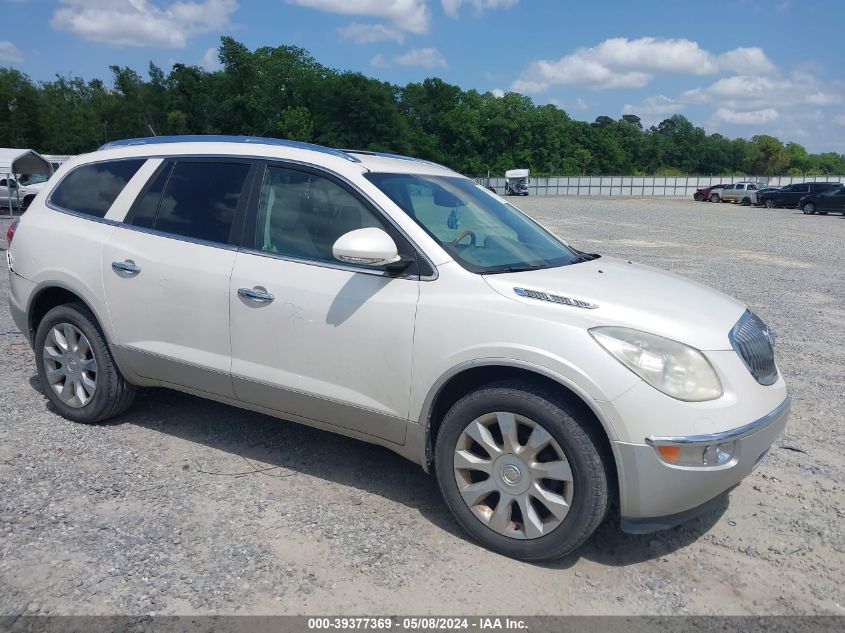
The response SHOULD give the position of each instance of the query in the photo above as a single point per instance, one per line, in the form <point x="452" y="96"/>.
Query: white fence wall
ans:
<point x="679" y="186"/>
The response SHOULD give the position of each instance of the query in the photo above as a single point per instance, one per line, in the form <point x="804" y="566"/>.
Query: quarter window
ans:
<point x="302" y="215"/>
<point x="92" y="189"/>
<point x="200" y="200"/>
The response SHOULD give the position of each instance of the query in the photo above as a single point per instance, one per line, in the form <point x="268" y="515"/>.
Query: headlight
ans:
<point x="676" y="369"/>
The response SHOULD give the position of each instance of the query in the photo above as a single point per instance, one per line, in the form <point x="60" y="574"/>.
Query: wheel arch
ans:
<point x="473" y="374"/>
<point x="50" y="295"/>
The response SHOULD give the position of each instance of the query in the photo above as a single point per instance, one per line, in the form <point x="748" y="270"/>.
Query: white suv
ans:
<point x="395" y="301"/>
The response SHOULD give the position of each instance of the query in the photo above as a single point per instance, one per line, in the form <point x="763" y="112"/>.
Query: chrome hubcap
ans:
<point x="69" y="365"/>
<point x="513" y="475"/>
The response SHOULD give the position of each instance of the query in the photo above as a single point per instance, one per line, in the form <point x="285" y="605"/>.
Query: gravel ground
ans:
<point x="188" y="506"/>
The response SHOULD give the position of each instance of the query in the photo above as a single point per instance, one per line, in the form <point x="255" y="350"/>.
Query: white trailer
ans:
<point x="516" y="182"/>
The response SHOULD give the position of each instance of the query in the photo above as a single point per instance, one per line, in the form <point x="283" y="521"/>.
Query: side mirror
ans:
<point x="370" y="247"/>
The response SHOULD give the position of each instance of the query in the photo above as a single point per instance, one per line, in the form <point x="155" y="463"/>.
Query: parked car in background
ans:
<point x="19" y="194"/>
<point x="791" y="195"/>
<point x="716" y="192"/>
<point x="304" y="282"/>
<point x="823" y="203"/>
<point x="744" y="193"/>
<point x="702" y="194"/>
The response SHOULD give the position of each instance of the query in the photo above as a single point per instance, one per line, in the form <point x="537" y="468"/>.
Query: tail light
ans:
<point x="10" y="232"/>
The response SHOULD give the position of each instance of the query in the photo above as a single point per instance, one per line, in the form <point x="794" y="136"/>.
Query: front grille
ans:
<point x="755" y="345"/>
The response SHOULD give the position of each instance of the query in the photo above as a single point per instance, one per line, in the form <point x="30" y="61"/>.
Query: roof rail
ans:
<point x="367" y="152"/>
<point x="221" y="138"/>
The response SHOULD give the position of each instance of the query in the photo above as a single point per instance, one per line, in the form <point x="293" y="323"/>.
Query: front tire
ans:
<point x="522" y="470"/>
<point x="76" y="368"/>
<point x="770" y="204"/>
<point x="698" y="197"/>
<point x="714" y="197"/>
<point x="809" y="208"/>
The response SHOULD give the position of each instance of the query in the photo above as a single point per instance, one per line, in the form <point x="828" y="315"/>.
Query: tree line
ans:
<point x="284" y="92"/>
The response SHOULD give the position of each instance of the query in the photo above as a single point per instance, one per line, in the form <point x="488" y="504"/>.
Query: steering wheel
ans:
<point x="464" y="234"/>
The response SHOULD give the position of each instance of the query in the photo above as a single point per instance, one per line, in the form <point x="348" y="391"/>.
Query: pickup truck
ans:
<point x="19" y="195"/>
<point x="743" y="192"/>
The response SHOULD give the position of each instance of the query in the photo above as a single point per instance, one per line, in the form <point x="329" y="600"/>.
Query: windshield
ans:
<point x="478" y="229"/>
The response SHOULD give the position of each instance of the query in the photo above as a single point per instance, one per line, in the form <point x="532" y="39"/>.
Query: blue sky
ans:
<point x="739" y="67"/>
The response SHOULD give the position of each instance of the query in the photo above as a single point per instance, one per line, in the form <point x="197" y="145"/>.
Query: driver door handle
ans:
<point x="127" y="266"/>
<point x="255" y="295"/>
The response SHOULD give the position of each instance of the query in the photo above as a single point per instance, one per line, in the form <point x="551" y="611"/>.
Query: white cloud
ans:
<point x="655" y="106"/>
<point x="742" y="92"/>
<point x="452" y="8"/>
<point x="379" y="61"/>
<point x="424" y="57"/>
<point x="839" y="119"/>
<point x="749" y="117"/>
<point x="623" y="63"/>
<point x="746" y="60"/>
<point x="370" y="33"/>
<point x="9" y="53"/>
<point x="408" y="15"/>
<point x="142" y="23"/>
<point x="210" y="60"/>
<point x="498" y="93"/>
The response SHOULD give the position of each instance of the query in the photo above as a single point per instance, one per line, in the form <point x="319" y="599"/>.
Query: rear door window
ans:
<point x="92" y="189"/>
<point x="194" y="199"/>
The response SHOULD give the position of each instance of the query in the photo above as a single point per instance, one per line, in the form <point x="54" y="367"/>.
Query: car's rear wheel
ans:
<point x="522" y="470"/>
<point x="714" y="197"/>
<point x="770" y="204"/>
<point x="809" y="208"/>
<point x="76" y="367"/>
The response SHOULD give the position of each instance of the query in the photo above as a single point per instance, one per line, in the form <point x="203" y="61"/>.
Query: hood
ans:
<point x="631" y="295"/>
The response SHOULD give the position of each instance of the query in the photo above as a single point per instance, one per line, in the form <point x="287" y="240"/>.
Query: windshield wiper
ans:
<point x="585" y="257"/>
<point x="517" y="268"/>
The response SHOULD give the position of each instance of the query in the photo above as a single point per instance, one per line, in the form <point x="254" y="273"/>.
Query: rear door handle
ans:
<point x="127" y="266"/>
<point x="255" y="294"/>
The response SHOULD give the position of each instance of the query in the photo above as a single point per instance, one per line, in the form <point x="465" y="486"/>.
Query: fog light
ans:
<point x="696" y="454"/>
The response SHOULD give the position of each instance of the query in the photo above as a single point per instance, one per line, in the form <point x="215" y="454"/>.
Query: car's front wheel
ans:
<point x="809" y="208"/>
<point x="770" y="204"/>
<point x="76" y="368"/>
<point x="522" y="470"/>
<point x="698" y="197"/>
<point x="714" y="197"/>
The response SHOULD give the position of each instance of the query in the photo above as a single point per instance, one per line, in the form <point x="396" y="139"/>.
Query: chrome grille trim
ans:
<point x="755" y="345"/>
<point x="552" y="298"/>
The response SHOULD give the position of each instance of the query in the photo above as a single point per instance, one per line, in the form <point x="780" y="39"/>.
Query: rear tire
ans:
<point x="809" y="208"/>
<point x="111" y="396"/>
<point x="544" y="532"/>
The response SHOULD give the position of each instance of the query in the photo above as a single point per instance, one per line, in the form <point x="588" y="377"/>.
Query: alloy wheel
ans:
<point x="513" y="475"/>
<point x="70" y="366"/>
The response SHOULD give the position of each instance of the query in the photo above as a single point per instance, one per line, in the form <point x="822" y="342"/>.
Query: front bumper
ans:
<point x="656" y="495"/>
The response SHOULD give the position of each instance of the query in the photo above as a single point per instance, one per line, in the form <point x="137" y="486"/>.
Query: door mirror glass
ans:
<point x="369" y="247"/>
